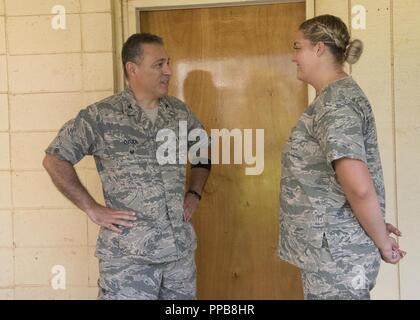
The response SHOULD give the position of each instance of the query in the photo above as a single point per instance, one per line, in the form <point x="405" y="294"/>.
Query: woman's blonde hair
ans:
<point x="333" y="33"/>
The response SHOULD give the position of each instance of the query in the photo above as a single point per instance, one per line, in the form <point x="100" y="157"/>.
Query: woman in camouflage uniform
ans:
<point x="332" y="201"/>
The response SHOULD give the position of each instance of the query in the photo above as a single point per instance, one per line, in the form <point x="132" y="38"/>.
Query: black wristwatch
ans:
<point x="195" y="193"/>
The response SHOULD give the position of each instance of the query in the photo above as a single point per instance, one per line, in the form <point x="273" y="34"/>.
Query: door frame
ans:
<point x="126" y="21"/>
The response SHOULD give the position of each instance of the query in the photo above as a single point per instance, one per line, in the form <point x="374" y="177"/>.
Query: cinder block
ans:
<point x="88" y="162"/>
<point x="95" y="96"/>
<point x="6" y="263"/>
<point x="28" y="149"/>
<point x="4" y="151"/>
<point x="93" y="230"/>
<point x="2" y="36"/>
<point x="7" y="294"/>
<point x="35" y="35"/>
<point x="35" y="7"/>
<point x="48" y="293"/>
<point x="50" y="228"/>
<point x="96" y="5"/>
<point x="45" y="73"/>
<point x="92" y="293"/>
<point x="3" y="74"/>
<point x="6" y="229"/>
<point x="4" y="112"/>
<point x="5" y="191"/>
<point x="93" y="268"/>
<point x="96" y="32"/>
<point x="43" y="266"/>
<point x="34" y="189"/>
<point x="45" y="111"/>
<point x="94" y="186"/>
<point x="98" y="71"/>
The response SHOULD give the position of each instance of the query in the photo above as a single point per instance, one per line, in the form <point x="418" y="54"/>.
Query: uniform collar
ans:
<point x="129" y="102"/>
<point x="166" y="113"/>
<point x="130" y="108"/>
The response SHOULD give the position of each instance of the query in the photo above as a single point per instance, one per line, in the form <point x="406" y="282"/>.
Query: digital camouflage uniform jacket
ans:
<point x="338" y="123"/>
<point x="122" y="140"/>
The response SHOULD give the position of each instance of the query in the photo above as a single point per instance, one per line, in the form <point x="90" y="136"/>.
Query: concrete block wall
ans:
<point x="47" y="76"/>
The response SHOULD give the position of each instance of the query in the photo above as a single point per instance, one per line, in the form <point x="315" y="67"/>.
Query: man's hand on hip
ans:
<point x="110" y="218"/>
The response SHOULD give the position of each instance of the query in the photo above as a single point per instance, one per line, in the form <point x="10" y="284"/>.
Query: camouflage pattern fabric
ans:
<point x="350" y="279"/>
<point x="121" y="138"/>
<point x="124" y="279"/>
<point x="339" y="123"/>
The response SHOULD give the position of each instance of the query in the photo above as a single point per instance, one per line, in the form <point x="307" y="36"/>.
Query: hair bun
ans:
<point x="353" y="51"/>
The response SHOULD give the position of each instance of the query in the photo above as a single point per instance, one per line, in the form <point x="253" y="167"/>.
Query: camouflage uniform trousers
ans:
<point x="124" y="279"/>
<point x="349" y="278"/>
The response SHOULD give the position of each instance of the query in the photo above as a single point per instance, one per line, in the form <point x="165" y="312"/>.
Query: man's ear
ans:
<point x="131" y="68"/>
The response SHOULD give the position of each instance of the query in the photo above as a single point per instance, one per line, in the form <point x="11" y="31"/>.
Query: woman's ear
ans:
<point x="320" y="48"/>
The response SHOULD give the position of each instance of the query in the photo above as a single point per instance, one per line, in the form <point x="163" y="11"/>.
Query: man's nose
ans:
<point x="167" y="70"/>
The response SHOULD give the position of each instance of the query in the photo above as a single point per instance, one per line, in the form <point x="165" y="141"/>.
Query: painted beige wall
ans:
<point x="388" y="73"/>
<point x="376" y="61"/>
<point x="406" y="50"/>
<point x="47" y="76"/>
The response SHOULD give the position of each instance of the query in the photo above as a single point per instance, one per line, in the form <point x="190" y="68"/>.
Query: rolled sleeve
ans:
<point x="339" y="131"/>
<point x="75" y="139"/>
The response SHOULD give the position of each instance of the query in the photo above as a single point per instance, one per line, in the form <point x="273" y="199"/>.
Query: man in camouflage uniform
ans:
<point x="319" y="233"/>
<point x="146" y="243"/>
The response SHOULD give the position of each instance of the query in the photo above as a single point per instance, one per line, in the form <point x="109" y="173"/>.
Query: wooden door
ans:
<point x="233" y="66"/>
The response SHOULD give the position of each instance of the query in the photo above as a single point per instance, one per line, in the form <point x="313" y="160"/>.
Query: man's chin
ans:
<point x="299" y="76"/>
